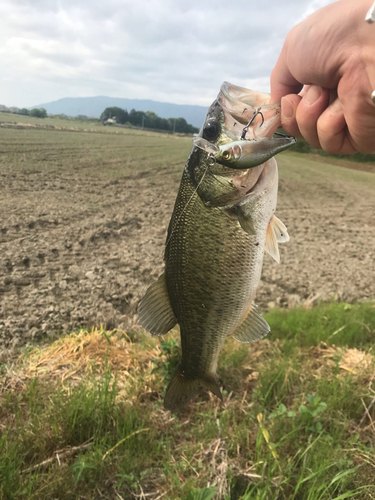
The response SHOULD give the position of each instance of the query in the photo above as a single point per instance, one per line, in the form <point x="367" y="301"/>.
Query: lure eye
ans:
<point x="211" y="130"/>
<point x="226" y="155"/>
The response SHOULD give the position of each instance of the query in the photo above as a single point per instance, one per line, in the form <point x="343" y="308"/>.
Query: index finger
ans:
<point x="282" y="80"/>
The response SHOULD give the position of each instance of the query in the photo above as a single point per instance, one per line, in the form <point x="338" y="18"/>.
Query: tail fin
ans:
<point x="181" y="389"/>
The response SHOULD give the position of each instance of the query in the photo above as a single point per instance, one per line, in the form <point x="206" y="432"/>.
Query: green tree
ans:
<point x="182" y="126"/>
<point x="121" y="115"/>
<point x="137" y="118"/>
<point x="38" y="112"/>
<point x="148" y="120"/>
<point x="152" y="120"/>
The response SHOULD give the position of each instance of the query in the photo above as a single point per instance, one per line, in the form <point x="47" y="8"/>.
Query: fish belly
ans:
<point x="213" y="268"/>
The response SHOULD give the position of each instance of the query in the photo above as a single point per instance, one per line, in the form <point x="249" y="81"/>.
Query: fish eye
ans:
<point x="226" y="155"/>
<point x="211" y="130"/>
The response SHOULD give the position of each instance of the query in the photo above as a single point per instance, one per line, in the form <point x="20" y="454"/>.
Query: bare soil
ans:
<point x="84" y="215"/>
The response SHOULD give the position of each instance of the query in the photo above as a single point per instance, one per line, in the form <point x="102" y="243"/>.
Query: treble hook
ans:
<point x="282" y="135"/>
<point x="211" y="159"/>
<point x="256" y="113"/>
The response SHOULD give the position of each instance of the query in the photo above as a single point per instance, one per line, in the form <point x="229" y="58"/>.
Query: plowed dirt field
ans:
<point x="84" y="215"/>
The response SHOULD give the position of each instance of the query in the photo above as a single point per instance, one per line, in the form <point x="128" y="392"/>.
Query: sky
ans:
<point x="176" y="51"/>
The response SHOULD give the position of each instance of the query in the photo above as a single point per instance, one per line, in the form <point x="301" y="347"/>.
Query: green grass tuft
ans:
<point x="349" y="325"/>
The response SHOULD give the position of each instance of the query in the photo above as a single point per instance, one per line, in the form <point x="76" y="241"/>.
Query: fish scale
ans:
<point x="204" y="300"/>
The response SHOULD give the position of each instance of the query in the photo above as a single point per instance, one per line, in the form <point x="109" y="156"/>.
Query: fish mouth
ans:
<point x="249" y="115"/>
<point x="241" y="105"/>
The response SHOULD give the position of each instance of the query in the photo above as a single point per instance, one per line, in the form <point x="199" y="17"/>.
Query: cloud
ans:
<point x="312" y="7"/>
<point x="168" y="50"/>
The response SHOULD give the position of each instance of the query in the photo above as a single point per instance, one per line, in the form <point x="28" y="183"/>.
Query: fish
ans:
<point x="222" y="223"/>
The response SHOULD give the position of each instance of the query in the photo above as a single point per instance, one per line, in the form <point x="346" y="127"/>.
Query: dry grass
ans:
<point x="89" y="352"/>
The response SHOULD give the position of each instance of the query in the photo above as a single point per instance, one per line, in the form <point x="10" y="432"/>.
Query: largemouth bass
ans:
<point x="223" y="221"/>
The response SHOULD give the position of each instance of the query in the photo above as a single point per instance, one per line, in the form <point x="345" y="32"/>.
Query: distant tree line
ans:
<point x="147" y="119"/>
<point x="302" y="146"/>
<point x="42" y="113"/>
<point x="37" y="112"/>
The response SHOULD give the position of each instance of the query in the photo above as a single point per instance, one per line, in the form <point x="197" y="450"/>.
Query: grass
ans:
<point x="83" y="417"/>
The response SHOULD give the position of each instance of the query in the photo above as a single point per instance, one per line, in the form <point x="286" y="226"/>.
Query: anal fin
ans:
<point x="155" y="311"/>
<point x="253" y="327"/>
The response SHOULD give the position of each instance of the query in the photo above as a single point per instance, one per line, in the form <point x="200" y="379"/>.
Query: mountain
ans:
<point x="94" y="106"/>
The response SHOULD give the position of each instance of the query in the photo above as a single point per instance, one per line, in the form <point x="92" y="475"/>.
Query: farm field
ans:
<point x="84" y="216"/>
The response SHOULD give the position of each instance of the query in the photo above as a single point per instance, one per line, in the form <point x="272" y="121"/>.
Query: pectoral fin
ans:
<point x="281" y="231"/>
<point x="253" y="327"/>
<point x="276" y="233"/>
<point x="271" y="246"/>
<point x="245" y="222"/>
<point x="155" y="311"/>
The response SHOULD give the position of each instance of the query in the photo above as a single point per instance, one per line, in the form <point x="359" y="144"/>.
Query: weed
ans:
<point x="80" y="468"/>
<point x="171" y="351"/>
<point x="308" y="414"/>
<point x="201" y="494"/>
<point x="282" y="411"/>
<point x="311" y="412"/>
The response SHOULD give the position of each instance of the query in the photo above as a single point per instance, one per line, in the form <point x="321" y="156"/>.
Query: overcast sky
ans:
<point x="167" y="50"/>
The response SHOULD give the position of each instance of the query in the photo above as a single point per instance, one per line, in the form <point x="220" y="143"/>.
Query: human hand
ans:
<point x="332" y="53"/>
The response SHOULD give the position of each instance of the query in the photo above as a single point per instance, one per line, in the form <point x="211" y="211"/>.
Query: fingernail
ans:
<point x="287" y="109"/>
<point x="313" y="94"/>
